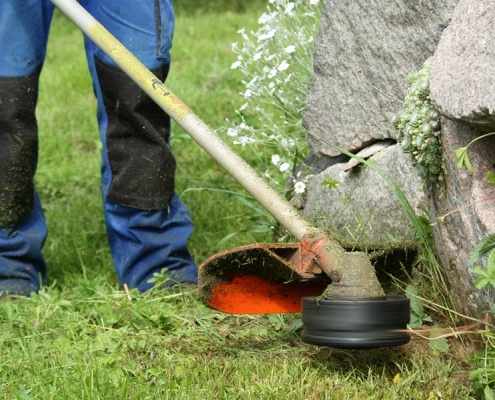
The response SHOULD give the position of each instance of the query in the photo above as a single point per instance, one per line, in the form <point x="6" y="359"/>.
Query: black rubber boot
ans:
<point x="137" y="137"/>
<point x="18" y="147"/>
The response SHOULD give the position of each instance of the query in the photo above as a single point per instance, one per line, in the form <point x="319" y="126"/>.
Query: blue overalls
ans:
<point x="147" y="224"/>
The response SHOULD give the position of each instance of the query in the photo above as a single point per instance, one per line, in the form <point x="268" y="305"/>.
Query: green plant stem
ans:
<point x="479" y="138"/>
<point x="442" y="217"/>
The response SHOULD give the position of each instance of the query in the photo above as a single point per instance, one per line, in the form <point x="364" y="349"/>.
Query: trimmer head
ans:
<point x="278" y="278"/>
<point x="273" y="278"/>
<point x="356" y="324"/>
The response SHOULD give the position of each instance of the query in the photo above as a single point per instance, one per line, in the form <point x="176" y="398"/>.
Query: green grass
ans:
<point x="192" y="7"/>
<point x="83" y="338"/>
<point x="92" y="342"/>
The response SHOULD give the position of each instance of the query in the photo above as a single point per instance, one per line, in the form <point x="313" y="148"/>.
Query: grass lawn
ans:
<point x="83" y="338"/>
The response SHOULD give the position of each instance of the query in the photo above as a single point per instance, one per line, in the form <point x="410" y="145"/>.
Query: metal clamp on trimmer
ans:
<point x="343" y="304"/>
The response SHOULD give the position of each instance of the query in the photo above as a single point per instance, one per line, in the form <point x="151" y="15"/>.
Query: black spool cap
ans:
<point x="356" y="324"/>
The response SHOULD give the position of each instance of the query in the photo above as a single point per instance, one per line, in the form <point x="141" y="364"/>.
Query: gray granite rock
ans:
<point x="462" y="76"/>
<point x="364" y="52"/>
<point x="467" y="203"/>
<point x="363" y="207"/>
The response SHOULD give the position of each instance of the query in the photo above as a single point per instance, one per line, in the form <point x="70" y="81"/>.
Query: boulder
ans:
<point x="362" y="207"/>
<point x="463" y="207"/>
<point x="462" y="75"/>
<point x="363" y="53"/>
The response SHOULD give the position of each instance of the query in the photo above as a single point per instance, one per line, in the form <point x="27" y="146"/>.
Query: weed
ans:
<point x="461" y="154"/>
<point x="418" y="315"/>
<point x="484" y="375"/>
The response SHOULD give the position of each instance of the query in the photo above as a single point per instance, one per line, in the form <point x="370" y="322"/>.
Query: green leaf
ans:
<point x="418" y="316"/>
<point x="482" y="283"/>
<point x="415" y="322"/>
<point x="488" y="392"/>
<point x="461" y="154"/>
<point x="486" y="275"/>
<point x="330" y="183"/>
<point x="480" y="271"/>
<point x="490" y="264"/>
<point x="474" y="375"/>
<point x="295" y="325"/>
<point x="484" y="280"/>
<point x="24" y="394"/>
<point x="438" y="345"/>
<point x="482" y="249"/>
<point x="490" y="177"/>
<point x="416" y="304"/>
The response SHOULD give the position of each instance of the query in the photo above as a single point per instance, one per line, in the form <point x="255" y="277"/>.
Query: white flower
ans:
<point x="287" y="143"/>
<point x="243" y="34"/>
<point x="267" y="35"/>
<point x="272" y="73"/>
<point x="251" y="83"/>
<point x="266" y="57"/>
<point x="299" y="187"/>
<point x="290" y="49"/>
<point x="244" y="140"/>
<point x="232" y="132"/>
<point x="284" y="167"/>
<point x="263" y="19"/>
<point x="267" y="18"/>
<point x="236" y="64"/>
<point x="283" y="66"/>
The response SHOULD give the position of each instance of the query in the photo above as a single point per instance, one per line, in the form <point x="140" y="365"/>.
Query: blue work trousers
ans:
<point x="143" y="239"/>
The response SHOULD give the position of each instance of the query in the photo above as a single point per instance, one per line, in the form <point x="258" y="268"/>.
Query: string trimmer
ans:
<point x="337" y="291"/>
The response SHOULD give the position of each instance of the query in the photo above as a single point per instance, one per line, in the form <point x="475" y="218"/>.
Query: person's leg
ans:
<point x="147" y="224"/>
<point x="24" y="26"/>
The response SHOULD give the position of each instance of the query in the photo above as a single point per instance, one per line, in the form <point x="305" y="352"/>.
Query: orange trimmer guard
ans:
<point x="257" y="279"/>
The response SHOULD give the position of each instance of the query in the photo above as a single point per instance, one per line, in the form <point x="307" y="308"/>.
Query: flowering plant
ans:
<point x="277" y="64"/>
